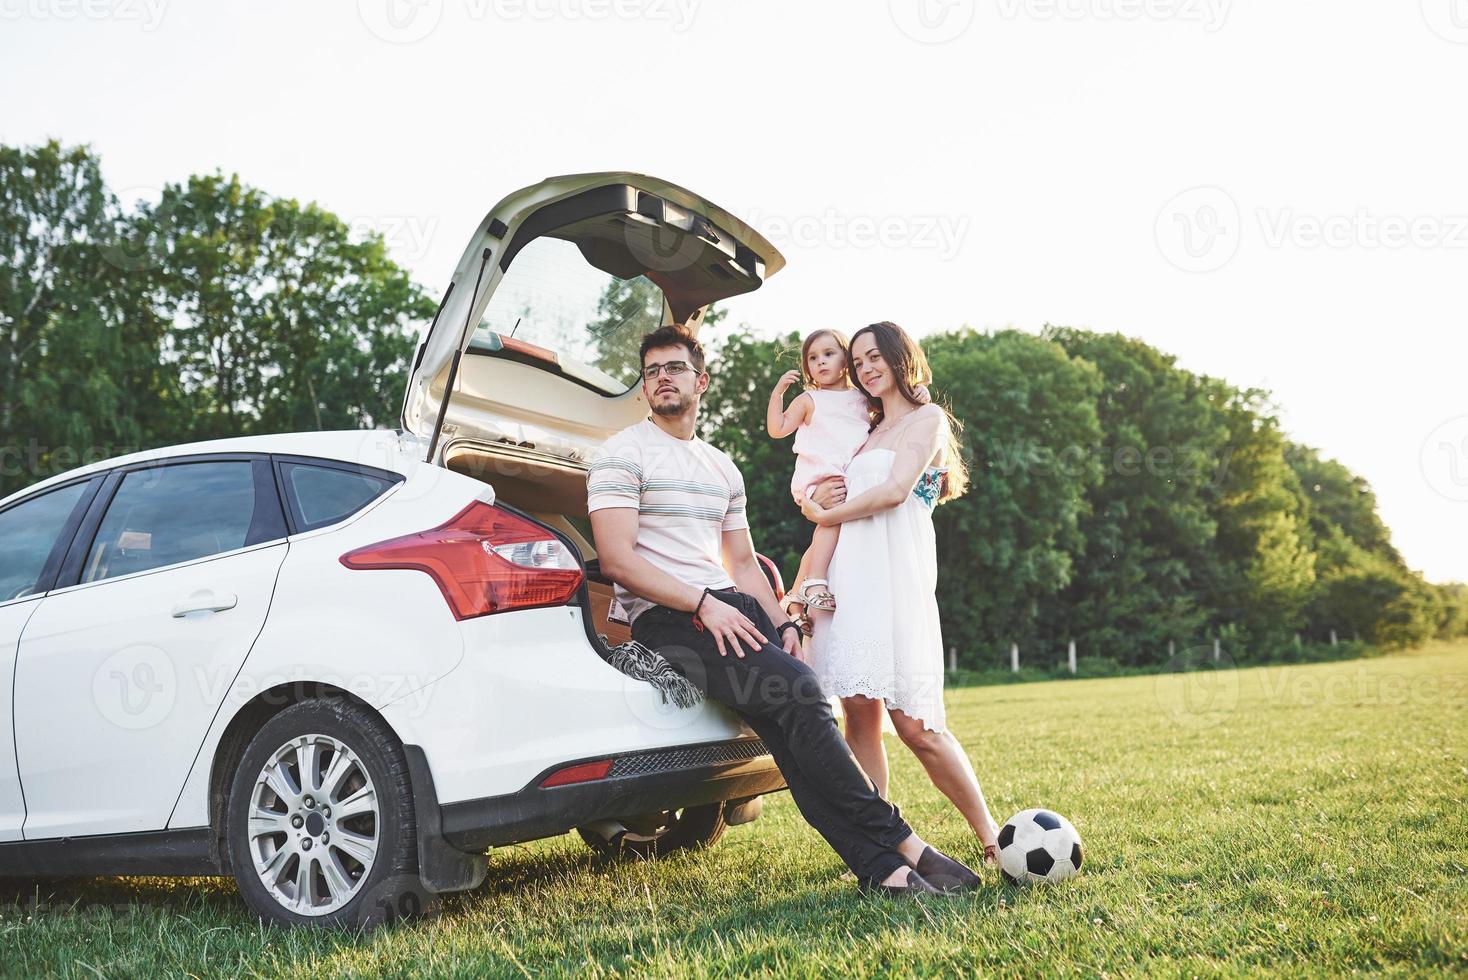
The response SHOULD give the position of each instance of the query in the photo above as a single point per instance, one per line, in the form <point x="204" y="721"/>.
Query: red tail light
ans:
<point x="485" y="560"/>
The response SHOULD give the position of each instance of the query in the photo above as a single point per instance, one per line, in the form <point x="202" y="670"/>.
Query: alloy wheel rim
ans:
<point x="314" y="825"/>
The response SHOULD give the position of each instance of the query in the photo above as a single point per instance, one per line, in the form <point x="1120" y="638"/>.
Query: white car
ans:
<point x="341" y="666"/>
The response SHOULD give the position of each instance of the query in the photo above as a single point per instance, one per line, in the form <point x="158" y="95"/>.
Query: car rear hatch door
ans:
<point x="548" y="305"/>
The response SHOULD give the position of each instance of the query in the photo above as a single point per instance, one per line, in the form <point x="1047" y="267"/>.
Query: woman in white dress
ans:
<point x="881" y="649"/>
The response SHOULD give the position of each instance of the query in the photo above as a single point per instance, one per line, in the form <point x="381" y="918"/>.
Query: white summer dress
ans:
<point x="884" y="639"/>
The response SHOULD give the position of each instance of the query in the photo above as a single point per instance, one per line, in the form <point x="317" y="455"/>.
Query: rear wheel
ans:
<point x="654" y="835"/>
<point x="320" y="821"/>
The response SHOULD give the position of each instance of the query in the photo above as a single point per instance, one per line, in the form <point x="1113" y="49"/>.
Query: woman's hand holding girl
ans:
<point x="814" y="512"/>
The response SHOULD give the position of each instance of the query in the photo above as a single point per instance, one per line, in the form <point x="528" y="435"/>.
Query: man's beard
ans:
<point x="673" y="408"/>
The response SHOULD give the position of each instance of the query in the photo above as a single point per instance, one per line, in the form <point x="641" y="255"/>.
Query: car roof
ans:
<point x="385" y="449"/>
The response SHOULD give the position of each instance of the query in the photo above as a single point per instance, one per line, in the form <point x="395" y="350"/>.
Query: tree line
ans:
<point x="1117" y="500"/>
<point x="215" y="311"/>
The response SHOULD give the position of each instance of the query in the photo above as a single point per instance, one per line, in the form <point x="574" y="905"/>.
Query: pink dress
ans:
<point x="826" y="444"/>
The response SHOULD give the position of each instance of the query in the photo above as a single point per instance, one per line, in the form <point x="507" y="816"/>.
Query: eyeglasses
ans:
<point x="671" y="368"/>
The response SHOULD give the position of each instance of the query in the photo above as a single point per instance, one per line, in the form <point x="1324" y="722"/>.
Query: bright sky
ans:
<point x="1272" y="191"/>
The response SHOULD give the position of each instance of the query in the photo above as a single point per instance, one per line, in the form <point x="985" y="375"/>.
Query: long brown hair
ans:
<point x="909" y="366"/>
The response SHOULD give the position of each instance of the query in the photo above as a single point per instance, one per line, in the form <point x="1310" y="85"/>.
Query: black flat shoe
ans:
<point x="916" y="886"/>
<point x="946" y="874"/>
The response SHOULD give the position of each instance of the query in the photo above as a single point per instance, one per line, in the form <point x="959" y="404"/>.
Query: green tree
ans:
<point x="81" y="376"/>
<point x="1264" y="571"/>
<point x="1339" y="498"/>
<point x="214" y="311"/>
<point x="283" y="321"/>
<point x="743" y="370"/>
<point x="1013" y="541"/>
<point x="1453" y="610"/>
<point x="1364" y="587"/>
<point x="1148" y="529"/>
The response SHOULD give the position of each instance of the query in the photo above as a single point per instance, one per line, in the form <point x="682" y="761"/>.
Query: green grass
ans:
<point x="1298" y="819"/>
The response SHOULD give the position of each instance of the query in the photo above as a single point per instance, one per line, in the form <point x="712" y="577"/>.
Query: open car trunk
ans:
<point x="540" y="327"/>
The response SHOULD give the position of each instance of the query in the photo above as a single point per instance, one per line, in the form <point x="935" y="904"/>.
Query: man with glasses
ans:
<point x="667" y="512"/>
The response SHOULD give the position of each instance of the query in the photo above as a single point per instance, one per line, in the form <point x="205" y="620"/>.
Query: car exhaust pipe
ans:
<point x="610" y="831"/>
<point x="744" y="810"/>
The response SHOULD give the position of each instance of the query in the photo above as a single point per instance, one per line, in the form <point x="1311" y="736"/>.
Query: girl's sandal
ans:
<point x="821" y="599"/>
<point x="795" y="608"/>
<point x="991" y="855"/>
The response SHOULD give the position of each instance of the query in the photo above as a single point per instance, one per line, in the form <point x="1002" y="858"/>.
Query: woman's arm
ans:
<point x="921" y="439"/>
<point x="780" y="423"/>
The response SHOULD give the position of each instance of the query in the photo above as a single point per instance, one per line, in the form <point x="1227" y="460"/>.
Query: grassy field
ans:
<point x="1300" y="819"/>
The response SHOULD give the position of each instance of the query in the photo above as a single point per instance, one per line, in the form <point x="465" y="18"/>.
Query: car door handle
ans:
<point x="205" y="602"/>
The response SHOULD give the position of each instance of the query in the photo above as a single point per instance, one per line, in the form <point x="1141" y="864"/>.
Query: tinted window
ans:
<point x="170" y="514"/>
<point x="28" y="532"/>
<point x="552" y="297"/>
<point x="322" y="495"/>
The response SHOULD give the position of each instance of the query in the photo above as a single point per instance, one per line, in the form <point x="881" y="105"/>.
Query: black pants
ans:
<point x="780" y="699"/>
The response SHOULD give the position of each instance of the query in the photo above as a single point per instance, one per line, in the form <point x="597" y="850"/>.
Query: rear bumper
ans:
<point x="638" y="783"/>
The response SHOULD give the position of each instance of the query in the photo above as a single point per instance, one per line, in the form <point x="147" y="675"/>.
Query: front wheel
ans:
<point x="655" y="835"/>
<point x="319" y="820"/>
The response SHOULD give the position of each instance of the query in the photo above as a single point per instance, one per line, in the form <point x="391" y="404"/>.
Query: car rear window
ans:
<point x="592" y="321"/>
<point x="166" y="515"/>
<point x="320" y="495"/>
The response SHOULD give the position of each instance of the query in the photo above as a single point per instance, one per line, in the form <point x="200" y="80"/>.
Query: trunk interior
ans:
<point x="553" y="491"/>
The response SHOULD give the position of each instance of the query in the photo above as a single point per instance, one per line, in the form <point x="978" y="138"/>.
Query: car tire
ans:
<point x="296" y="861"/>
<point x="689" y="829"/>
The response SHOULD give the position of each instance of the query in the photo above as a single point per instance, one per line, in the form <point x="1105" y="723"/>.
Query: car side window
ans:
<point x="164" y="515"/>
<point x="319" y="496"/>
<point x="28" y="533"/>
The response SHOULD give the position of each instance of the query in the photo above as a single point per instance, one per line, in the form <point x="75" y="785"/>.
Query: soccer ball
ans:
<point x="1038" y="845"/>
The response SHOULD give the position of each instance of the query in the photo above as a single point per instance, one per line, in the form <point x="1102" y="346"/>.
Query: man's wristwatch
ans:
<point x="788" y="624"/>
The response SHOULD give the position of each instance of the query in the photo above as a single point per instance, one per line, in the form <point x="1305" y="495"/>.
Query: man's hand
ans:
<point x="729" y="625"/>
<point x="790" y="640"/>
<point x="830" y="492"/>
<point x="923" y="395"/>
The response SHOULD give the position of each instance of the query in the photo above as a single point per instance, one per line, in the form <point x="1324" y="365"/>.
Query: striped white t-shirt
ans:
<point x="686" y="493"/>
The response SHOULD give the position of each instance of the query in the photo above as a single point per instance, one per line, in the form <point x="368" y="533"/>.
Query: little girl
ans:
<point x="831" y="420"/>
